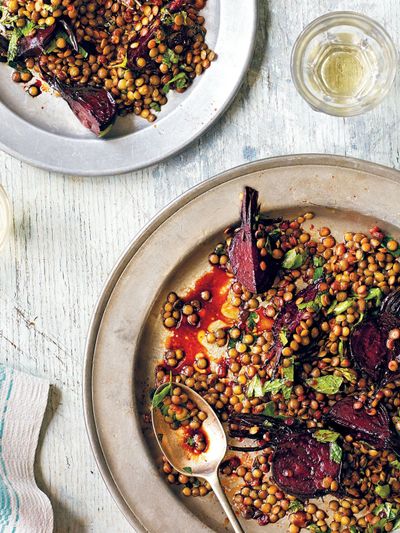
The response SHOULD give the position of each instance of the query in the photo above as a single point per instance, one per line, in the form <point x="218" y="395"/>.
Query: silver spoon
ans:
<point x="204" y="465"/>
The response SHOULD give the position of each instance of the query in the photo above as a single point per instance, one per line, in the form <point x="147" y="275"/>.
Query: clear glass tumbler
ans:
<point x="343" y="63"/>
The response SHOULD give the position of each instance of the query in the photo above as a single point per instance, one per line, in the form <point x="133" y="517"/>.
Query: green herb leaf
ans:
<point x="286" y="391"/>
<point x="288" y="372"/>
<point x="348" y="374"/>
<point x="156" y="106"/>
<point x="123" y="64"/>
<point x="232" y="343"/>
<point x="395" y="464"/>
<point x="336" y="452"/>
<point x="166" y="17"/>
<point x="273" y="386"/>
<point x="13" y="44"/>
<point x="180" y="80"/>
<point x="318" y="261"/>
<point x="295" y="506"/>
<point x="318" y="273"/>
<point x="326" y="435"/>
<point x="170" y="58"/>
<point x="190" y="441"/>
<point x="387" y="238"/>
<point x="383" y="491"/>
<point x="283" y="337"/>
<point x="326" y="384"/>
<point x="341" y="347"/>
<point x="163" y="393"/>
<point x="187" y="469"/>
<point x="343" y="306"/>
<point x="255" y="388"/>
<point x="293" y="259"/>
<point x="375" y="294"/>
<point x="252" y="320"/>
<point x="360" y="319"/>
<point x="269" y="410"/>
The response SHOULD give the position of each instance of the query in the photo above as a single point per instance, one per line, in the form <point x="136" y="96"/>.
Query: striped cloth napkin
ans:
<point x="23" y="506"/>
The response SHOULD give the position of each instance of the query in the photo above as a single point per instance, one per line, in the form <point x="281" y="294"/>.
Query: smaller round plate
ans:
<point x="44" y="132"/>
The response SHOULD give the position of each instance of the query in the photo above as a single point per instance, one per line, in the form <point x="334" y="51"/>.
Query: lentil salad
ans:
<point x="105" y="57"/>
<point x="240" y="350"/>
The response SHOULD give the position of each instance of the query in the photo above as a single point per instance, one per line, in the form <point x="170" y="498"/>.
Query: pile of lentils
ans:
<point x="105" y="29"/>
<point x="355" y="274"/>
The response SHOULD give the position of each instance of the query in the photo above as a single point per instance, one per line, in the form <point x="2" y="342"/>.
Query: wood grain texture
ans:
<point x="69" y="231"/>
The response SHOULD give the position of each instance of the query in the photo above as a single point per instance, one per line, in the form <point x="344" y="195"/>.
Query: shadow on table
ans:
<point x="64" y="520"/>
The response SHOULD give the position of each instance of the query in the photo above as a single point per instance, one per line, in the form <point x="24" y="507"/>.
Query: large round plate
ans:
<point x="126" y="335"/>
<point x="44" y="132"/>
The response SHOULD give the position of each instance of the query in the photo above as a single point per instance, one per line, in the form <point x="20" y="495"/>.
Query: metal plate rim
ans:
<point x="135" y="245"/>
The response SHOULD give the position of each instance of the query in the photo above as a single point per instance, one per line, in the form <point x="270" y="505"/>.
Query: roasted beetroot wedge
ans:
<point x="368" y="341"/>
<point x="289" y="318"/>
<point x="300" y="463"/>
<point x="254" y="272"/>
<point x="368" y="348"/>
<point x="94" y="107"/>
<point x="35" y="45"/>
<point x="373" y="429"/>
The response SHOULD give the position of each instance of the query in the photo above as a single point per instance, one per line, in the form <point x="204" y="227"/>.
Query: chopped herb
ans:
<point x="187" y="469"/>
<point x="273" y="386"/>
<point x="163" y="393"/>
<point x="326" y="435"/>
<point x="123" y="63"/>
<point x="286" y="391"/>
<point x="170" y="58"/>
<point x="375" y="294"/>
<point x="293" y="259"/>
<point x="342" y="306"/>
<point x="232" y="343"/>
<point x="180" y="80"/>
<point x="326" y="384"/>
<point x="318" y="273"/>
<point x="255" y="388"/>
<point x="288" y="372"/>
<point x="318" y="261"/>
<point x="252" y="320"/>
<point x="283" y="337"/>
<point x="336" y="452"/>
<point x="361" y="318"/>
<point x="396" y="253"/>
<point x="395" y="464"/>
<point x="62" y="35"/>
<point x="295" y="506"/>
<point x="382" y="490"/>
<point x="190" y="441"/>
<point x="156" y="106"/>
<point x="166" y="17"/>
<point x="269" y="410"/>
<point x="348" y="374"/>
<point x="13" y="44"/>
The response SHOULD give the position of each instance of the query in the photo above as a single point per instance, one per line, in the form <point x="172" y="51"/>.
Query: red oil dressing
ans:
<point x="264" y="323"/>
<point x="184" y="336"/>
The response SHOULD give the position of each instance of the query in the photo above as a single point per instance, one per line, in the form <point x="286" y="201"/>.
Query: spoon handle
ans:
<point x="214" y="481"/>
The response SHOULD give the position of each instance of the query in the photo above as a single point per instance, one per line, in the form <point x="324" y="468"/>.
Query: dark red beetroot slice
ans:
<point x="374" y="430"/>
<point x="35" y="45"/>
<point x="289" y="318"/>
<point x="243" y="252"/>
<point x="368" y="348"/>
<point x="300" y="463"/>
<point x="94" y="107"/>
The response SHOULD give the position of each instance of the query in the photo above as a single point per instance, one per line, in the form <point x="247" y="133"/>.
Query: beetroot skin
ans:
<point x="374" y="430"/>
<point x="244" y="255"/>
<point x="35" y="45"/>
<point x="300" y="463"/>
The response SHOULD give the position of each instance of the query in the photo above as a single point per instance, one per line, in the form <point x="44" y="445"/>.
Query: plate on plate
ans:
<point x="43" y="131"/>
<point x="126" y="335"/>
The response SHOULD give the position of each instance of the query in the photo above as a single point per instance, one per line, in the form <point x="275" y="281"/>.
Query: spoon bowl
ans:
<point x="204" y="464"/>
